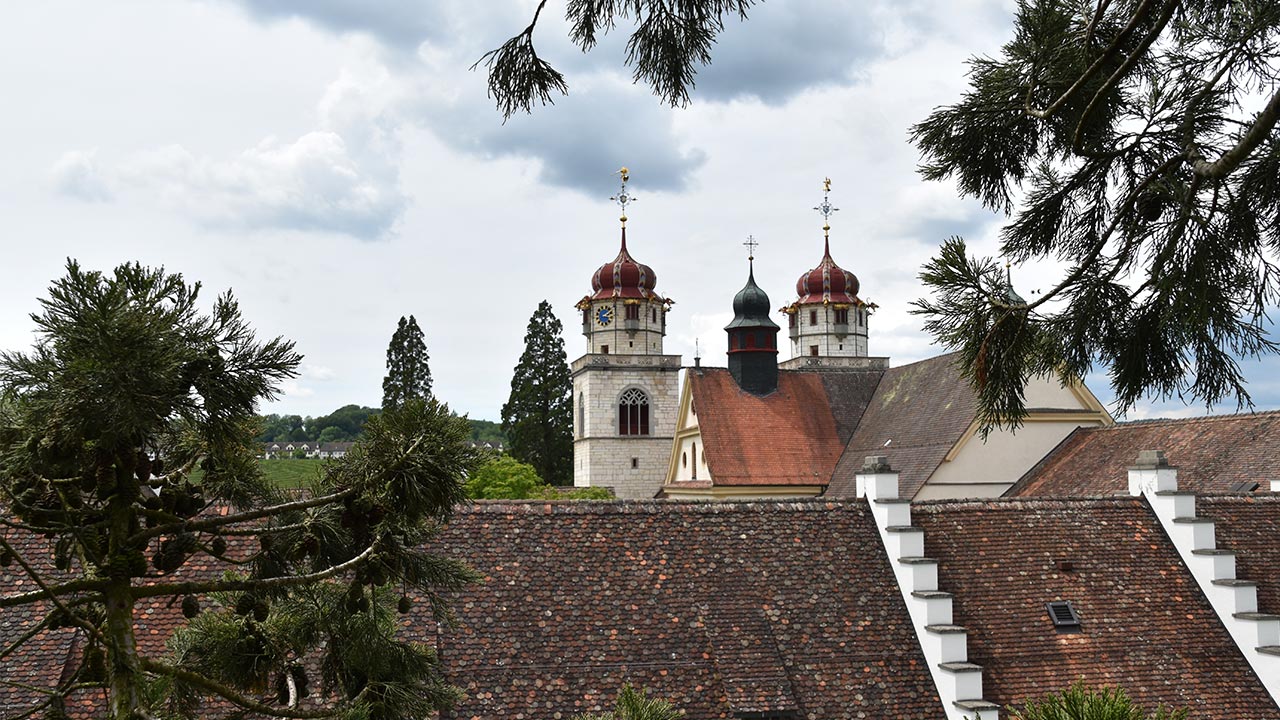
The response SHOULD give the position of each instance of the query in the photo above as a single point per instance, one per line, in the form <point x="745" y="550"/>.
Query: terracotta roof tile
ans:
<point x="1211" y="454"/>
<point x="717" y="607"/>
<point x="789" y="437"/>
<point x="1145" y="626"/>
<point x="921" y="410"/>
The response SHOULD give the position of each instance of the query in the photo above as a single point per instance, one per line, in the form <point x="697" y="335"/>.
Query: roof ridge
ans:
<point x="644" y="506"/>
<point x="925" y="360"/>
<point x="1019" y="503"/>
<point x="1252" y="414"/>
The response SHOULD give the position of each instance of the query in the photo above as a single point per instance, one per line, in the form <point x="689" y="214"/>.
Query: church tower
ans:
<point x="625" y="391"/>
<point x="753" y="337"/>
<point x="827" y="320"/>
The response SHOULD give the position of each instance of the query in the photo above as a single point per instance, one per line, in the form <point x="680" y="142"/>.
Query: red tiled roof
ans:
<point x="719" y="608"/>
<point x="921" y="410"/>
<point x="1145" y="625"/>
<point x="789" y="437"/>
<point x="1248" y="524"/>
<point x="39" y="662"/>
<point x="1211" y="454"/>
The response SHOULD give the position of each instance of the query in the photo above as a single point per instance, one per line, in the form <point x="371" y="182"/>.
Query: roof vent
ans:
<point x="1063" y="615"/>
<point x="1245" y="486"/>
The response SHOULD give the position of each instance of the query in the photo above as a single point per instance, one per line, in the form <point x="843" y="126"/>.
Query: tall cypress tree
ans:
<point x="538" y="416"/>
<point x="408" y="375"/>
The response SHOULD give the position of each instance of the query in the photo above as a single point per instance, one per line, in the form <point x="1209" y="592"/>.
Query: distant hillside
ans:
<point x="347" y="423"/>
<point x="485" y="431"/>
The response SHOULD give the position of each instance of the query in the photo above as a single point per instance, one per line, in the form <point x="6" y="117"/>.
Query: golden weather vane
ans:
<point x="622" y="198"/>
<point x="825" y="208"/>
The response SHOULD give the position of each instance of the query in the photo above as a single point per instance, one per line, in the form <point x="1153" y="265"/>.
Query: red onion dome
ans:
<point x="828" y="283"/>
<point x="623" y="277"/>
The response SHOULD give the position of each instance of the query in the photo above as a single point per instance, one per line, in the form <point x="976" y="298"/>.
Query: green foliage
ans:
<point x="538" y="415"/>
<point x="548" y="492"/>
<point x="129" y="387"/>
<point x="504" y="478"/>
<point x="344" y="424"/>
<point x="483" y="431"/>
<point x="408" y="374"/>
<point x="633" y="704"/>
<point x="1080" y="702"/>
<point x="669" y="43"/>
<point x="1135" y="142"/>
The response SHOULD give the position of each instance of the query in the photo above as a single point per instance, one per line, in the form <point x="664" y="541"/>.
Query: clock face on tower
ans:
<point x="604" y="315"/>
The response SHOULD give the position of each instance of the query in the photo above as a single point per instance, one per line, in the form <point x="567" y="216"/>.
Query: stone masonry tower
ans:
<point x="828" y="321"/>
<point x="625" y="391"/>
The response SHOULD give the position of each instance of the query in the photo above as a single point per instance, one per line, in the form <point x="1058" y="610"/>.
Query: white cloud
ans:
<point x="292" y="390"/>
<point x="319" y="373"/>
<point x="342" y="177"/>
<point x="76" y="175"/>
<point x="312" y="183"/>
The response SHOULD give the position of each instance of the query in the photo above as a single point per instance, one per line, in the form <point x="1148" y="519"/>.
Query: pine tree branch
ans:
<point x="17" y="643"/>
<point x="1095" y="253"/>
<point x="50" y="593"/>
<point x="192" y="588"/>
<point x="1161" y="22"/>
<point x="1092" y="70"/>
<point x="221" y="520"/>
<point x="1231" y="159"/>
<point x="1097" y="18"/>
<point x="209" y="685"/>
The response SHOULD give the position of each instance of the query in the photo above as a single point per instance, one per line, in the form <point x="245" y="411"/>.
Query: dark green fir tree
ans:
<point x="408" y="374"/>
<point x="538" y="416"/>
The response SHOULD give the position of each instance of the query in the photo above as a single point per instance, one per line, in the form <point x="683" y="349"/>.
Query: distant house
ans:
<point x="313" y="449"/>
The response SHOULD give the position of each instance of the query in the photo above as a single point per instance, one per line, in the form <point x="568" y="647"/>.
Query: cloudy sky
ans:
<point x="337" y="164"/>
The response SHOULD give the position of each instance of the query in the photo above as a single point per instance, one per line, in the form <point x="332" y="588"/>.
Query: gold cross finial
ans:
<point x="826" y="184"/>
<point x="622" y="198"/>
<point x="751" y="247"/>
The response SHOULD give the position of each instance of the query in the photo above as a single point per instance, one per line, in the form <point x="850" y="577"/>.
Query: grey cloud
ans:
<point x="781" y="50"/>
<point x="402" y="24"/>
<point x="933" y="229"/>
<point x="784" y="48"/>
<point x="580" y="139"/>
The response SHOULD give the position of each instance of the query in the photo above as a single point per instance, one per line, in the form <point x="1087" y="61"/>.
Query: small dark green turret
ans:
<point x="753" y="340"/>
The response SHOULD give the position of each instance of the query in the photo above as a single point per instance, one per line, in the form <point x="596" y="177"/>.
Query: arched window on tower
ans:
<point x="582" y="415"/>
<point x="633" y="413"/>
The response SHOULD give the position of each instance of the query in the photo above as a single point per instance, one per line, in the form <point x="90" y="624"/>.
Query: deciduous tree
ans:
<point x="538" y="416"/>
<point x="125" y="457"/>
